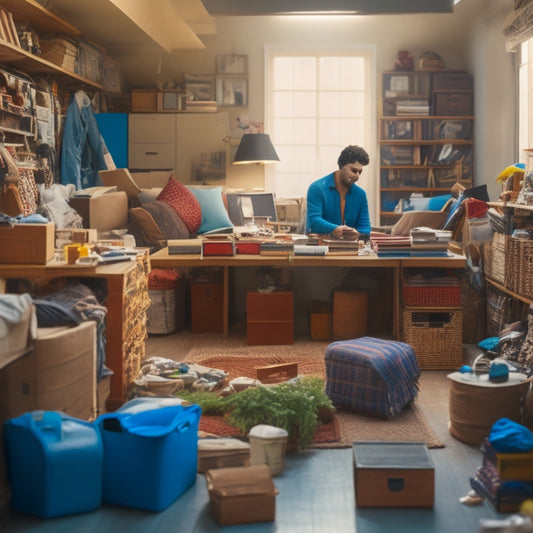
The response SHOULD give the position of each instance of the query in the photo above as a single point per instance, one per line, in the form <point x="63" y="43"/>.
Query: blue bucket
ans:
<point x="55" y="464"/>
<point x="150" y="456"/>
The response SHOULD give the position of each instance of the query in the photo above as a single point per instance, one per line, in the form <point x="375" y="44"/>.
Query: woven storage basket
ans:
<point x="513" y="264"/>
<point x="498" y="257"/>
<point x="436" y="337"/>
<point x="524" y="266"/>
<point x="499" y="311"/>
<point x="445" y="295"/>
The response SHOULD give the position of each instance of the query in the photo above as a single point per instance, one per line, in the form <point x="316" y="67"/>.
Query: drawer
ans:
<point x="453" y="103"/>
<point x="274" y="332"/>
<point x="152" y="156"/>
<point x="152" y="128"/>
<point x="270" y="306"/>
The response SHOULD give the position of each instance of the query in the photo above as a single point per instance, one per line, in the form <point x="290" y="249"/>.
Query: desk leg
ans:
<point x="225" y="300"/>
<point x="396" y="302"/>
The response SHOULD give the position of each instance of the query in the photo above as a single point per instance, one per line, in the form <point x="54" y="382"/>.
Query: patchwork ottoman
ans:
<point x="372" y="376"/>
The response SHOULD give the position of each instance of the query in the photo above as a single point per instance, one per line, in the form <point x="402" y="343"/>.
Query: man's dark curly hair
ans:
<point x="352" y="154"/>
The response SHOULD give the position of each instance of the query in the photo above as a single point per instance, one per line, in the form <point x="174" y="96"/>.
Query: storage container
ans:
<point x="241" y="495"/>
<point x="320" y="320"/>
<point x="393" y="474"/>
<point x="150" y="456"/>
<point x="349" y="314"/>
<point x="207" y="301"/>
<point x="222" y="453"/>
<point x="452" y="80"/>
<point x="54" y="464"/>
<point x="446" y="103"/>
<point x="268" y="445"/>
<point x="436" y="337"/>
<point x="270" y="317"/>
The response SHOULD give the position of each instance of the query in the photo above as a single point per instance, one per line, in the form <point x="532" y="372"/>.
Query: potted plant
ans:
<point x="298" y="406"/>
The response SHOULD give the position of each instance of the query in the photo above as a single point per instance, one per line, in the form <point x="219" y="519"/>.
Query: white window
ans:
<point x="318" y="102"/>
<point x="525" y="77"/>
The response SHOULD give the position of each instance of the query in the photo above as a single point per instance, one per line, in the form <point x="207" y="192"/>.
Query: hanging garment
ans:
<point x="83" y="150"/>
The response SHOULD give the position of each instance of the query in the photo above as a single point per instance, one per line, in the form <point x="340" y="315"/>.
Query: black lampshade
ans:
<point x="255" y="148"/>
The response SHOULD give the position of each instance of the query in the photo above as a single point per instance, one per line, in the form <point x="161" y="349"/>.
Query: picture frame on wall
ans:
<point x="232" y="91"/>
<point x="232" y="64"/>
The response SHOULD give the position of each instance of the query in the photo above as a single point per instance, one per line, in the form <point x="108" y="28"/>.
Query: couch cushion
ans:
<point x="145" y="229"/>
<point x="214" y="214"/>
<point x="184" y="204"/>
<point x="170" y="224"/>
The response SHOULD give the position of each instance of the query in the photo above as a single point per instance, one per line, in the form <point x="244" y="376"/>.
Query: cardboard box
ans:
<point x="16" y="338"/>
<point x="27" y="244"/>
<point x="222" y="453"/>
<point x="393" y="474"/>
<point x="241" y="495"/>
<point x="59" y="374"/>
<point x="104" y="212"/>
<point x="154" y="179"/>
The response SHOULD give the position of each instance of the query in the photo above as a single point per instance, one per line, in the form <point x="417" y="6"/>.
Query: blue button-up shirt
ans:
<point x="324" y="207"/>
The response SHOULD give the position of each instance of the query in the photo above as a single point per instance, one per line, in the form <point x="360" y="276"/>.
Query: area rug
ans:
<point x="238" y="359"/>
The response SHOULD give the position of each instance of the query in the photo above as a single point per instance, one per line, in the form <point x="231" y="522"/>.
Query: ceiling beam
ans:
<point x="299" y="7"/>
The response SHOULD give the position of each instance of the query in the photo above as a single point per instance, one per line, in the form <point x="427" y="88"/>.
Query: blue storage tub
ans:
<point x="54" y="462"/>
<point x="150" y="456"/>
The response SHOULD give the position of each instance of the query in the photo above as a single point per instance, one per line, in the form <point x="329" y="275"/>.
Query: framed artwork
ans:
<point x="200" y="90"/>
<point x="232" y="64"/>
<point x="232" y="91"/>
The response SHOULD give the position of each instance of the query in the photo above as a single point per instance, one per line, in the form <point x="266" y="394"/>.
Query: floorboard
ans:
<point x="316" y="493"/>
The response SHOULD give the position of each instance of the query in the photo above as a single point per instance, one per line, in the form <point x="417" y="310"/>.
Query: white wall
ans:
<point x="469" y="38"/>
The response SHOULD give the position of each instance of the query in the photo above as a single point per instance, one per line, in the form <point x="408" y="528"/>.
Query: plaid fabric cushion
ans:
<point x="374" y="376"/>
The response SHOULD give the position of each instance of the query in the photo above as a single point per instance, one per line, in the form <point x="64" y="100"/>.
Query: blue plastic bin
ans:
<point x="54" y="462"/>
<point x="150" y="456"/>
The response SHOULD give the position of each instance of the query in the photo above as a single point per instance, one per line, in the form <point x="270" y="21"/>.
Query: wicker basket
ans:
<point x="436" y="295"/>
<point x="514" y="261"/>
<point x="436" y="337"/>
<point x="524" y="266"/>
<point x="498" y="263"/>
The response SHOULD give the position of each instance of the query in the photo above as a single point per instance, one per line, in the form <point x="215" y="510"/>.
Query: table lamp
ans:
<point x="255" y="148"/>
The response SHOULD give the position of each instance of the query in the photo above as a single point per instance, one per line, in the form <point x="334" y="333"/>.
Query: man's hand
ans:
<point x="345" y="232"/>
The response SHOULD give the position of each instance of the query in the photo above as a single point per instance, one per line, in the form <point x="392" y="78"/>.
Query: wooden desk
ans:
<point x="162" y="259"/>
<point x="127" y="301"/>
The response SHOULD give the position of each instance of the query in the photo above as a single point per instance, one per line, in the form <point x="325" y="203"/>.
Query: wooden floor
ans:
<point x="316" y="493"/>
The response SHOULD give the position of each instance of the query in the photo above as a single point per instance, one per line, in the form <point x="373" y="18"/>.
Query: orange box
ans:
<point x="207" y="308"/>
<point x="270" y="317"/>
<point x="31" y="244"/>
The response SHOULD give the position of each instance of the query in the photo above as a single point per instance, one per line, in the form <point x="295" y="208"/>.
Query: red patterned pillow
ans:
<point x="183" y="202"/>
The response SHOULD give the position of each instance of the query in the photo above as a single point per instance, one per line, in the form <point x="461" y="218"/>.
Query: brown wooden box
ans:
<point x="349" y="314"/>
<point x="456" y="103"/>
<point x="452" y="80"/>
<point x="393" y="474"/>
<point x="207" y="308"/>
<point x="241" y="495"/>
<point x="270" y="317"/>
<point x="27" y="244"/>
<point x="144" y="100"/>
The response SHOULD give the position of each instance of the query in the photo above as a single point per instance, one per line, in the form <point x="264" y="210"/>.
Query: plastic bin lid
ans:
<point x="267" y="432"/>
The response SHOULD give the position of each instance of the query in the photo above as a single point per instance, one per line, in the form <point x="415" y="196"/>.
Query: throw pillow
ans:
<point x="144" y="228"/>
<point x="183" y="202"/>
<point x="214" y="214"/>
<point x="170" y="224"/>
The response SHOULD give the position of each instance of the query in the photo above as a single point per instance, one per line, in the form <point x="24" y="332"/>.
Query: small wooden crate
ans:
<point x="512" y="466"/>
<point x="436" y="337"/>
<point x="320" y="320"/>
<point x="393" y="474"/>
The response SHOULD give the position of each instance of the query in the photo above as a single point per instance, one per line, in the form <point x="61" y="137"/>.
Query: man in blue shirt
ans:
<point x="336" y="206"/>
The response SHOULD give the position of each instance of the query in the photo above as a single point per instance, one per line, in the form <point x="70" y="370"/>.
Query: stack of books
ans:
<point x="284" y="247"/>
<point x="201" y="106"/>
<point x="184" y="246"/>
<point x="341" y="246"/>
<point x="391" y="245"/>
<point x="309" y="249"/>
<point x="428" y="241"/>
<point x="412" y="107"/>
<point x="505" y="480"/>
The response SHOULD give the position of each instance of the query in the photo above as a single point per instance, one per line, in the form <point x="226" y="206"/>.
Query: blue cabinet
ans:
<point x="114" y="130"/>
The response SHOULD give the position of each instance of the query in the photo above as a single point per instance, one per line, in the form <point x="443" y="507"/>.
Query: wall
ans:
<point x="469" y="38"/>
